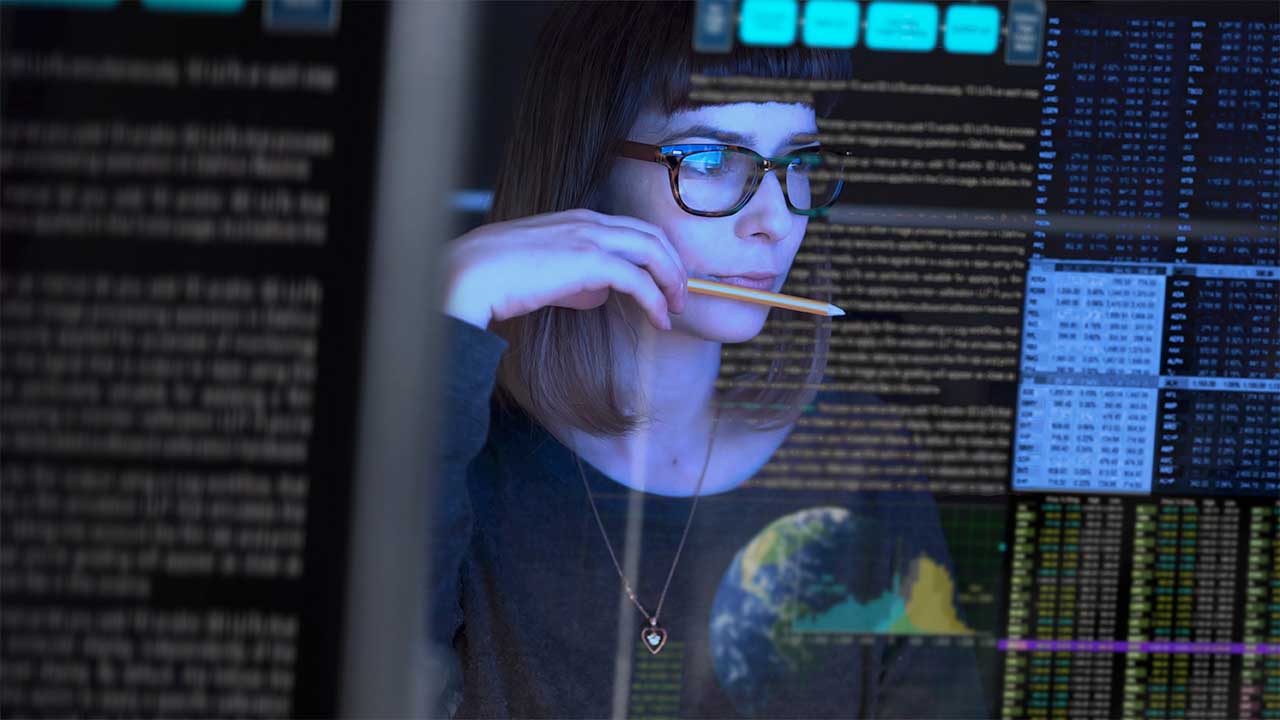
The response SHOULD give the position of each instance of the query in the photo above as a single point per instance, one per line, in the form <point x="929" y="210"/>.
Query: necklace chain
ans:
<point x="653" y="619"/>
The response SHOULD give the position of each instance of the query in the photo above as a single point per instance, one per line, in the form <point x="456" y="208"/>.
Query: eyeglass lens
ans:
<point x="718" y="180"/>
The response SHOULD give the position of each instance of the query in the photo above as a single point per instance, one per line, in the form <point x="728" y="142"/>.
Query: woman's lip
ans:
<point x="758" y="283"/>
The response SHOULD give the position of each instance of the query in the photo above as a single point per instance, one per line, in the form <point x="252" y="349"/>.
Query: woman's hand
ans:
<point x="568" y="259"/>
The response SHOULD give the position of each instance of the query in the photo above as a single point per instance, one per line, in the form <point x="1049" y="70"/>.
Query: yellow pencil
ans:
<point x="763" y="297"/>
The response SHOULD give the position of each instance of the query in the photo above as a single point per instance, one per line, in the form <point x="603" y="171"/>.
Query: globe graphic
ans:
<point x="798" y="567"/>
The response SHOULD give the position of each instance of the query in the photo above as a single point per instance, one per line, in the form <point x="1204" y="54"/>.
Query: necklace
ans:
<point x="653" y="636"/>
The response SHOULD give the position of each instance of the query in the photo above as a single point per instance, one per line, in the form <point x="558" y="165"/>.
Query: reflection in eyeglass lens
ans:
<point x="718" y="180"/>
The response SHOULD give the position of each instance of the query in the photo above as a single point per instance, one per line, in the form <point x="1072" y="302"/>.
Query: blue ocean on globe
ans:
<point x="799" y="566"/>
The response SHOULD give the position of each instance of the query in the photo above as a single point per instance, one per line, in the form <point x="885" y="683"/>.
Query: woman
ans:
<point x="594" y="531"/>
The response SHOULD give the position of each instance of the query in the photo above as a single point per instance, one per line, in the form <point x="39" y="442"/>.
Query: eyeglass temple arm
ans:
<point x="641" y="151"/>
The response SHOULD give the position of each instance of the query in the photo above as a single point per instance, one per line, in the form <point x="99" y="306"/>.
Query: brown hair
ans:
<point x="595" y="67"/>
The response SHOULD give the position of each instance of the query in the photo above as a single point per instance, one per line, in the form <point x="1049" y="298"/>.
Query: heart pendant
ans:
<point x="653" y="638"/>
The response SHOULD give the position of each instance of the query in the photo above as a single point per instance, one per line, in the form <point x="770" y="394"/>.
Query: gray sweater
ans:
<point x="772" y="611"/>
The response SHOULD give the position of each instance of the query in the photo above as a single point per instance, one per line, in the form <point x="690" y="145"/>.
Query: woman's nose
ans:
<point x="767" y="212"/>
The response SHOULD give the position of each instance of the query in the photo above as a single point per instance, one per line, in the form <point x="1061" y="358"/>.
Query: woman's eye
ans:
<point x="804" y="162"/>
<point x="707" y="163"/>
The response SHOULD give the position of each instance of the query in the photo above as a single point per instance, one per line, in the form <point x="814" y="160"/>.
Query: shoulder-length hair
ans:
<point x="595" y="67"/>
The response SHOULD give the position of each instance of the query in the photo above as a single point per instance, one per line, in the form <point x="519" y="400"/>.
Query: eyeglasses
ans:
<point x="719" y="180"/>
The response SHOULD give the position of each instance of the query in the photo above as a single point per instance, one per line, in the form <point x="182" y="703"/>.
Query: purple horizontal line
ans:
<point x="1147" y="646"/>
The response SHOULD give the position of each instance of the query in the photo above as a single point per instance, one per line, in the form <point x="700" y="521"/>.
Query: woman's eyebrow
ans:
<point x="728" y="136"/>
<point x="708" y="131"/>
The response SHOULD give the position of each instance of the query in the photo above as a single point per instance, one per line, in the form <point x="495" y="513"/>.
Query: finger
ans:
<point x="650" y="229"/>
<point x="642" y="249"/>
<point x="624" y="276"/>
<point x="622" y="221"/>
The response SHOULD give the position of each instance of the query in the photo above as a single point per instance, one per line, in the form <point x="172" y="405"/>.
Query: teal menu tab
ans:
<point x="972" y="29"/>
<point x="905" y="26"/>
<point x="195" y="6"/>
<point x="831" y="23"/>
<point x="768" y="22"/>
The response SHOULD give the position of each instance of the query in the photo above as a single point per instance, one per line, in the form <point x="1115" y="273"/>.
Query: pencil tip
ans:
<point x="835" y="311"/>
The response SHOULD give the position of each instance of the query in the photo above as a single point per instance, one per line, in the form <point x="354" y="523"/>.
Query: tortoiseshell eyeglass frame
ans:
<point x="672" y="155"/>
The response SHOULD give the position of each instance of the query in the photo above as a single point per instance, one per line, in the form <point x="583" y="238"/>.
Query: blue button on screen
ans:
<point x="972" y="29"/>
<point x="907" y="26"/>
<point x="831" y="23"/>
<point x="768" y="22"/>
<point x="713" y="26"/>
<point x="195" y="6"/>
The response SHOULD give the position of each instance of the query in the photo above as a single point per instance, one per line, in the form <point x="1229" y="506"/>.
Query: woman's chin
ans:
<point x="722" y="320"/>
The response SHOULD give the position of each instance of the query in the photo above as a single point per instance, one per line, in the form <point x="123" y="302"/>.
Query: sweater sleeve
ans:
<point x="469" y="366"/>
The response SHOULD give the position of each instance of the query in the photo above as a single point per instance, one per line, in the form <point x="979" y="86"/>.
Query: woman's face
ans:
<point x="762" y="237"/>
